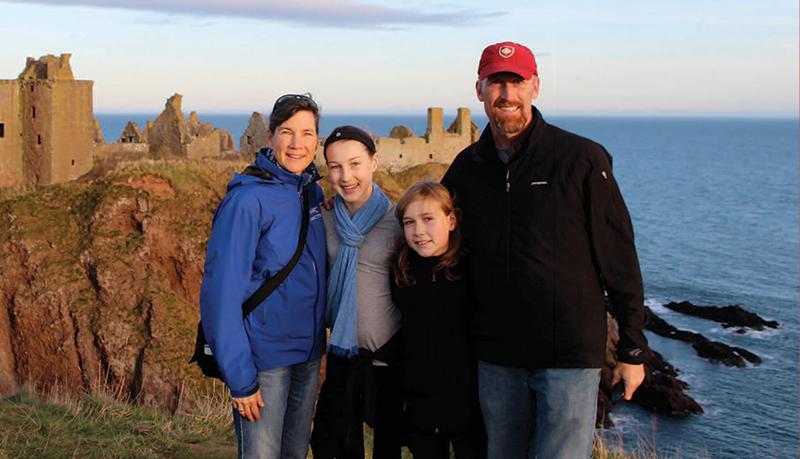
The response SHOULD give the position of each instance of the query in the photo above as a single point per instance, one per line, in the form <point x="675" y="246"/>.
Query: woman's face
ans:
<point x="350" y="169"/>
<point x="294" y="142"/>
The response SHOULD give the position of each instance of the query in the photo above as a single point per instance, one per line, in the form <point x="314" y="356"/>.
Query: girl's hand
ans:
<point x="249" y="406"/>
<point x="328" y="203"/>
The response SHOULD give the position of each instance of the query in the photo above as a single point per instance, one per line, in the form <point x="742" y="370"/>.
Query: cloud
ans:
<point x="320" y="13"/>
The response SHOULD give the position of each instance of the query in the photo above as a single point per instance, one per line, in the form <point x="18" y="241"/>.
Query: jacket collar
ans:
<point x="266" y="161"/>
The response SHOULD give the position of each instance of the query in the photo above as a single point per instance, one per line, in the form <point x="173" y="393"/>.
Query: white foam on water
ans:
<point x="766" y="333"/>
<point x="657" y="306"/>
<point x="623" y="423"/>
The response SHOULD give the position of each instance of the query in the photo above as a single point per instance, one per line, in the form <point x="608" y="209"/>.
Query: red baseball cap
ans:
<point x="507" y="57"/>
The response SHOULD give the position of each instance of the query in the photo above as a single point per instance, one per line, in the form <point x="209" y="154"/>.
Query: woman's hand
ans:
<point x="249" y="406"/>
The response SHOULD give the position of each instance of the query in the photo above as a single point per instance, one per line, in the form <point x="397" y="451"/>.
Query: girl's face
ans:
<point x="427" y="228"/>
<point x="350" y="169"/>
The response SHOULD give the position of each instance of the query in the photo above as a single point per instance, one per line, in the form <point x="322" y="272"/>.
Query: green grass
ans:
<point x="103" y="427"/>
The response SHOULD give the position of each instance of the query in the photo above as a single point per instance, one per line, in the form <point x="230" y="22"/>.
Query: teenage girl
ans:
<point x="430" y="289"/>
<point x="363" y="380"/>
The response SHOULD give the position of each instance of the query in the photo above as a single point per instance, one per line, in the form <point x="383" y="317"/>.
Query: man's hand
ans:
<point x="249" y="406"/>
<point x="631" y="375"/>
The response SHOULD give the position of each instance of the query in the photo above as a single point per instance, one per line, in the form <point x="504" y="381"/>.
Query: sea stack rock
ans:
<point x="729" y="316"/>
<point x="712" y="350"/>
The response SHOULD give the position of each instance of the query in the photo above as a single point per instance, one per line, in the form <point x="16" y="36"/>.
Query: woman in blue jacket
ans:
<point x="270" y="361"/>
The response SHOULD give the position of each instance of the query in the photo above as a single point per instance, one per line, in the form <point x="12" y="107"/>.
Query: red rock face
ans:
<point x="101" y="282"/>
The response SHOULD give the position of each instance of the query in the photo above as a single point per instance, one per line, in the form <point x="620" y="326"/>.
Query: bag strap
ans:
<point x="272" y="283"/>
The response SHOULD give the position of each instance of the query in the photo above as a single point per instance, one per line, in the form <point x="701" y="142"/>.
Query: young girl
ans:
<point x="430" y="289"/>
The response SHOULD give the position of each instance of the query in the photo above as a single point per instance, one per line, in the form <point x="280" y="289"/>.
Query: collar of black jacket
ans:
<point x="523" y="145"/>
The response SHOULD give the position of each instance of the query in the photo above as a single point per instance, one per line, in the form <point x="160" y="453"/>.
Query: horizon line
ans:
<point x="569" y="114"/>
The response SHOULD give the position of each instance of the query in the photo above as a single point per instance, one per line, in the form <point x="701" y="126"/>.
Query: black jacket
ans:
<point x="547" y="234"/>
<point x="440" y="380"/>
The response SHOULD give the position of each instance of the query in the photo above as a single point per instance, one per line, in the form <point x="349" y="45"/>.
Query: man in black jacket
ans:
<point x="549" y="235"/>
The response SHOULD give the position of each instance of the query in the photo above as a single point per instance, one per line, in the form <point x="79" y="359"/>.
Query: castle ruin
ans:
<point x="254" y="137"/>
<point x="46" y="124"/>
<point x="48" y="133"/>
<point x="400" y="150"/>
<point x="169" y="136"/>
<point x="403" y="150"/>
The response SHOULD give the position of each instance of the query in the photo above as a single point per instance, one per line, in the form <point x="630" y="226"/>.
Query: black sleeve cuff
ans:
<point x="631" y="355"/>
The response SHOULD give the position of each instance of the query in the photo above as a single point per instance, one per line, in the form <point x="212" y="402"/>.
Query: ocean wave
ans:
<point x="657" y="306"/>
<point x="767" y="333"/>
<point x="624" y="423"/>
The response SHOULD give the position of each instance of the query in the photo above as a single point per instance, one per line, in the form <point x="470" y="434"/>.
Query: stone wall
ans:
<point x="205" y="147"/>
<point x="11" y="166"/>
<point x="170" y="135"/>
<point x="72" y="131"/>
<point x="132" y="134"/>
<point x="254" y="137"/>
<point x="121" y="150"/>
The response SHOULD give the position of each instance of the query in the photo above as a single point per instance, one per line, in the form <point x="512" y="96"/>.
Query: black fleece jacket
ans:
<point x="440" y="381"/>
<point x="547" y="234"/>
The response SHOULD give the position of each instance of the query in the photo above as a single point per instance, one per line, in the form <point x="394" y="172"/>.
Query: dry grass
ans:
<point x="53" y="423"/>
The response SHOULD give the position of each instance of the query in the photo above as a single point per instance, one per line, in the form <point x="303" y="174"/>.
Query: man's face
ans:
<point x="507" y="101"/>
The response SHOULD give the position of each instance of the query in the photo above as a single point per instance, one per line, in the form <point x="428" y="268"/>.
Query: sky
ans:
<point x="595" y="58"/>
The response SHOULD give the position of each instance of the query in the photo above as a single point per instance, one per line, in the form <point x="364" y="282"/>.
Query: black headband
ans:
<point x="350" y="133"/>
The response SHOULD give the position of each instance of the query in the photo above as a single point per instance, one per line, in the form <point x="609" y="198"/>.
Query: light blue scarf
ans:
<point x="342" y="306"/>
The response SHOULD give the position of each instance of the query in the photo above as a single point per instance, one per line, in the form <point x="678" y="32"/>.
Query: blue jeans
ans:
<point x="546" y="414"/>
<point x="284" y="429"/>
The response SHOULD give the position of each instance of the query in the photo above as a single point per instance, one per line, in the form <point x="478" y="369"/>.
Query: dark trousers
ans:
<point x="354" y="392"/>
<point x="466" y="445"/>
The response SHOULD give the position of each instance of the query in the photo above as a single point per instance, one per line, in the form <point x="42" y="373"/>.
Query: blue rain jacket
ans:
<point x="254" y="235"/>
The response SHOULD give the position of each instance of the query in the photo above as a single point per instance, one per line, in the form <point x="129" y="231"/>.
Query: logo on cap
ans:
<point x="506" y="51"/>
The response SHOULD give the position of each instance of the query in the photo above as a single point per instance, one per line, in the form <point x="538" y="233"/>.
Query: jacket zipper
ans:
<point x="316" y="300"/>
<point x="508" y="229"/>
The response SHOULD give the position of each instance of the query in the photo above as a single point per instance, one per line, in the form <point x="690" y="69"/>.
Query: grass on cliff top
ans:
<point x="101" y="425"/>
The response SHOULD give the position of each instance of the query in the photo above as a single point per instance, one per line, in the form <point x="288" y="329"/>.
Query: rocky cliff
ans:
<point x="101" y="278"/>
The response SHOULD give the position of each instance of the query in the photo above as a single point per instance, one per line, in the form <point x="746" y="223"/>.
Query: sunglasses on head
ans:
<point x="304" y="99"/>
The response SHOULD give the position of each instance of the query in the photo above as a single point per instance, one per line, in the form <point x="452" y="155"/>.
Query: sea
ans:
<point x="714" y="203"/>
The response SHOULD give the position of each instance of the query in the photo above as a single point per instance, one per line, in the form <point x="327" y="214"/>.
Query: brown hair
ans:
<point x="449" y="259"/>
<point x="286" y="106"/>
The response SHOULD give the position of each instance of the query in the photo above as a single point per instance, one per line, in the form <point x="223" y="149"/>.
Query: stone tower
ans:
<point x="46" y="124"/>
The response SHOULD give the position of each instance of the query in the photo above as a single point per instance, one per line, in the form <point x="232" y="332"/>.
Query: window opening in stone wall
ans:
<point x="73" y="162"/>
<point x="31" y="88"/>
<point x="401" y="155"/>
<point x="2" y="130"/>
<point x="33" y="112"/>
<point x="39" y="139"/>
<point x="430" y="156"/>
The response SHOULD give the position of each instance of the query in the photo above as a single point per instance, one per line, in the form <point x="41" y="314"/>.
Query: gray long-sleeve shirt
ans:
<point x="378" y="317"/>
